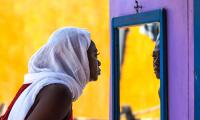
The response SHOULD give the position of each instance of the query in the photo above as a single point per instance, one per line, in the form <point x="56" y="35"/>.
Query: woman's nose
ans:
<point x="99" y="63"/>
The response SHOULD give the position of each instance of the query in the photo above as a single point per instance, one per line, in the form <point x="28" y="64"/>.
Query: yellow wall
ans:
<point x="26" y="25"/>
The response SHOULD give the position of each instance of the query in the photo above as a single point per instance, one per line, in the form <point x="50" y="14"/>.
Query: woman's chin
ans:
<point x="94" y="78"/>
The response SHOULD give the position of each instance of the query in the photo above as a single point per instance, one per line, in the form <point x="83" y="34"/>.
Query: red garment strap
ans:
<point x="71" y="116"/>
<point x="23" y="87"/>
<point x="5" y="116"/>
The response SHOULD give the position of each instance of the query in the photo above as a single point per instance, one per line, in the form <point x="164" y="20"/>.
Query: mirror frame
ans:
<point x="130" y="20"/>
<point x="196" y="60"/>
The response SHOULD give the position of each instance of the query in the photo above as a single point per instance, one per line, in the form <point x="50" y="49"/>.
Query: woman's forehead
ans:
<point x="93" y="47"/>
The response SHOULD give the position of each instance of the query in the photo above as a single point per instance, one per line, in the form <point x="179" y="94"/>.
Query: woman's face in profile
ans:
<point x="156" y="63"/>
<point x="94" y="63"/>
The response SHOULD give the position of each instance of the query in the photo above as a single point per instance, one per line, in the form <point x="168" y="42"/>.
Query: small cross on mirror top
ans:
<point x="137" y="7"/>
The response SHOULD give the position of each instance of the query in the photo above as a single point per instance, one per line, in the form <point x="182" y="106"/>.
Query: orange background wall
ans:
<point x="25" y="25"/>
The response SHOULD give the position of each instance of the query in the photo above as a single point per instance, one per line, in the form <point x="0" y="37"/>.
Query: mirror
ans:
<point x="139" y="83"/>
<point x="139" y="72"/>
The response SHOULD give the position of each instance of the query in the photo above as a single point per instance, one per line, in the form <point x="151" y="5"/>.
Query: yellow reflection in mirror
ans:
<point x="138" y="83"/>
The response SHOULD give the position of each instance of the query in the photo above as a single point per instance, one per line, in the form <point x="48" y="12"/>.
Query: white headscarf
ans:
<point x="63" y="59"/>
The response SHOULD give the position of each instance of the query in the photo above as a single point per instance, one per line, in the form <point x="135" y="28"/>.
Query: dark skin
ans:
<point x="94" y="63"/>
<point x="156" y="65"/>
<point x="54" y="101"/>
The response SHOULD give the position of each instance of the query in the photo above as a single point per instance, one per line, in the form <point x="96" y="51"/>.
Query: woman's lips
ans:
<point x="99" y="71"/>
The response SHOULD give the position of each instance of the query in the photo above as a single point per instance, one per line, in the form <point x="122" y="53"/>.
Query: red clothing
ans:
<point x="23" y="87"/>
<point x="5" y="116"/>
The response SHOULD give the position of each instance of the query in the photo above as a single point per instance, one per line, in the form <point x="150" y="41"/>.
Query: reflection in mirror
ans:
<point x="139" y="72"/>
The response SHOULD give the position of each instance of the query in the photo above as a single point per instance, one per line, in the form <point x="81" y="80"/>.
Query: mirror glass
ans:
<point x="139" y="72"/>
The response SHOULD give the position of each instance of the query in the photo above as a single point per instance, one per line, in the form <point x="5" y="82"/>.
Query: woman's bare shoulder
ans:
<point x="57" y="90"/>
<point x="53" y="102"/>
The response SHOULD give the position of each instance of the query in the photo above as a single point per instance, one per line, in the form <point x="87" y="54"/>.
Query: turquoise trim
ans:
<point x="196" y="60"/>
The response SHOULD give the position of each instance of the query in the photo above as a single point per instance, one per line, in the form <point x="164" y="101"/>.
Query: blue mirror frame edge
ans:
<point x="135" y="19"/>
<point x="196" y="60"/>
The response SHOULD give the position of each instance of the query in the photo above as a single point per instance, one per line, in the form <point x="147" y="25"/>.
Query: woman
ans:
<point x="156" y="60"/>
<point x="57" y="74"/>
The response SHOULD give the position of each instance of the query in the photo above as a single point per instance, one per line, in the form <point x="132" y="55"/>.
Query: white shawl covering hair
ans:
<point x="63" y="59"/>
